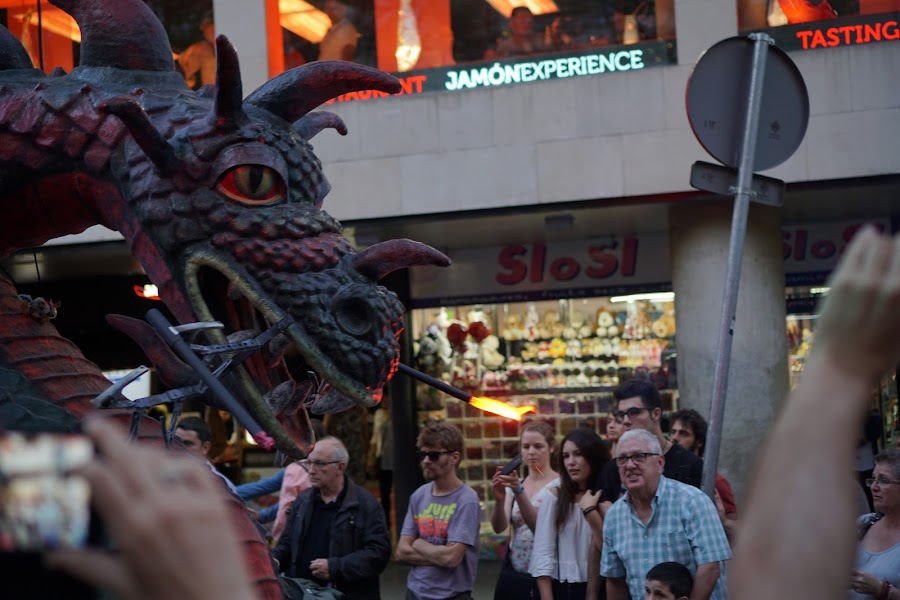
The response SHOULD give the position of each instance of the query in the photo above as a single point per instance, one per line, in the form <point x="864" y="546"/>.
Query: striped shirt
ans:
<point x="684" y="527"/>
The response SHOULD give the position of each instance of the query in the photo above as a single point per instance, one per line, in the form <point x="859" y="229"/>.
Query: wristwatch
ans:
<point x="520" y="490"/>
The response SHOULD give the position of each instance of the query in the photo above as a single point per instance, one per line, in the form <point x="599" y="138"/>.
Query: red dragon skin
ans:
<point x="219" y="197"/>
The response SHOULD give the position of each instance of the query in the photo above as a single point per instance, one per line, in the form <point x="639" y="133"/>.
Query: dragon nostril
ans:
<point x="353" y="315"/>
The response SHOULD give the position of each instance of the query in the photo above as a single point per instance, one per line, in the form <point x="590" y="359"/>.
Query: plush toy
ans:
<point x="551" y="326"/>
<point x="664" y="326"/>
<point x="557" y="348"/>
<point x="604" y="320"/>
<point x="513" y="329"/>
<point x="490" y="356"/>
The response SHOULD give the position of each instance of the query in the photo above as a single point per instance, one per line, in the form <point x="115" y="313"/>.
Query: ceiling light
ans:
<point x="653" y="297"/>
<point x="53" y="20"/>
<point x="537" y="7"/>
<point x="304" y="19"/>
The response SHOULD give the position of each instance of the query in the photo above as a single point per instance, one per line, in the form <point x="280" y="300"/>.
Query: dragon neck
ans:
<point x="57" y="370"/>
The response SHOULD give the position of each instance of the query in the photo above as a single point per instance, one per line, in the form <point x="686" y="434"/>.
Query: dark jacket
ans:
<point x="359" y="548"/>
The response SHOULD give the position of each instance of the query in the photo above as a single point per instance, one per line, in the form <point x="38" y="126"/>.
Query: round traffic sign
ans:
<point x="717" y="92"/>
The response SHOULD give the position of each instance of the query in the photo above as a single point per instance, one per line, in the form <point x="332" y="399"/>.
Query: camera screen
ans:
<point x="43" y="503"/>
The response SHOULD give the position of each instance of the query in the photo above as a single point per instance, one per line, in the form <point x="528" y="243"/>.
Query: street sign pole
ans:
<point x="743" y="193"/>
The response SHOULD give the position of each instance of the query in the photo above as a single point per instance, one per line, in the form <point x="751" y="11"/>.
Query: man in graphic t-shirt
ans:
<point x="440" y="532"/>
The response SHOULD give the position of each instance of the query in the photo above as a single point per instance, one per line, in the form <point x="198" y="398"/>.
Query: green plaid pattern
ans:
<point x="684" y="527"/>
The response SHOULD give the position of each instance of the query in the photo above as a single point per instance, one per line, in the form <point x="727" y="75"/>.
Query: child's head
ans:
<point x="668" y="581"/>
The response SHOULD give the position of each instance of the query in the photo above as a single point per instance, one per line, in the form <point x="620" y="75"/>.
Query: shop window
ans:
<point x="811" y="24"/>
<point x="49" y="35"/>
<point x="52" y="38"/>
<point x="563" y="357"/>
<point x="412" y="36"/>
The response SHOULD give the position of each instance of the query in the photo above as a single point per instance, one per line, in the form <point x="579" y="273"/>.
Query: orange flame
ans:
<point x="500" y="408"/>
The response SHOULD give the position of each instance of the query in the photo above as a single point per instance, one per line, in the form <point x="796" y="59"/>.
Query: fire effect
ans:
<point x="500" y="408"/>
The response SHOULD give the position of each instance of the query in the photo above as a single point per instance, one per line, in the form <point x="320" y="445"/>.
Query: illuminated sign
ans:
<point x="849" y="31"/>
<point x="525" y="69"/>
<point x="606" y="266"/>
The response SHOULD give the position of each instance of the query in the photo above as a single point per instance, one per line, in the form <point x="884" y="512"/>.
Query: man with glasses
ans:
<point x="336" y="534"/>
<point x="639" y="406"/>
<point x="659" y="520"/>
<point x="440" y="532"/>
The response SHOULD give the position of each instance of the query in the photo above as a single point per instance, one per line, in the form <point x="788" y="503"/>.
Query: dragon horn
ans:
<point x="376" y="261"/>
<point x="228" y="111"/>
<point x="308" y="126"/>
<point x="296" y="92"/>
<point x="124" y="34"/>
<point x="142" y="130"/>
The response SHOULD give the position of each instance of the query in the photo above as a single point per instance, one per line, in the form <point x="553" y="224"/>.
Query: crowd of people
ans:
<point x="589" y="519"/>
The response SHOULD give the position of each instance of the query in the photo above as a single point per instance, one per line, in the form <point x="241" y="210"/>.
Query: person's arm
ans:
<point x="372" y="556"/>
<point x="589" y="505"/>
<point x="449" y="555"/>
<point x="705" y="581"/>
<point x="617" y="589"/>
<point x="500" y="514"/>
<point x="545" y="587"/>
<point x="282" y="551"/>
<point x="269" y="485"/>
<point x="268" y="514"/>
<point x="800" y="494"/>
<point x="406" y="553"/>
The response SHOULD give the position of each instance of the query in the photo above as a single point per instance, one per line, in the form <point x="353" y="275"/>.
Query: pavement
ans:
<point x="393" y="580"/>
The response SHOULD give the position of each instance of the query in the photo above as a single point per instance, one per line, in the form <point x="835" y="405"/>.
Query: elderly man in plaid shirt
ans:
<point x="659" y="520"/>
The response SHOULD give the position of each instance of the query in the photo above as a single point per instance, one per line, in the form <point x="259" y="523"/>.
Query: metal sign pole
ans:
<point x="743" y="193"/>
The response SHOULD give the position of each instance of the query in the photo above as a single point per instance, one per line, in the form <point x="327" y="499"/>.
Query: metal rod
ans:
<point x="435" y="383"/>
<point x="735" y="253"/>
<point x="216" y="388"/>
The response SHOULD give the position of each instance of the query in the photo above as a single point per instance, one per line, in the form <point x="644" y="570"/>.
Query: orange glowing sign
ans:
<point x="500" y="408"/>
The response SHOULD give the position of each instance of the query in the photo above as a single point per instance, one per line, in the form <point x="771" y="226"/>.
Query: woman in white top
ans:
<point x="517" y="502"/>
<point x="562" y="535"/>
<point x="877" y="572"/>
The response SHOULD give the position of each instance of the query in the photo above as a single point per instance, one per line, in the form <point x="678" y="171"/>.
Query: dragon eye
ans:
<point x="252" y="184"/>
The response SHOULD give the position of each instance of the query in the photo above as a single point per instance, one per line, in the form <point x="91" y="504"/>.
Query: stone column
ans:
<point x="758" y="380"/>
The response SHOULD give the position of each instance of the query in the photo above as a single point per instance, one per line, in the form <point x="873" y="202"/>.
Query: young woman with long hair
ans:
<point x="517" y="502"/>
<point x="563" y="534"/>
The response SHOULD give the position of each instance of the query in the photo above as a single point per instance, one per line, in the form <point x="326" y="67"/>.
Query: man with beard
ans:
<point x="659" y="520"/>
<point x="689" y="431"/>
<point x="440" y="532"/>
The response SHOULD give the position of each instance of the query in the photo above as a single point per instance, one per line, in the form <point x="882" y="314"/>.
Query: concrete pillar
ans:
<point x="244" y="22"/>
<point x="758" y="380"/>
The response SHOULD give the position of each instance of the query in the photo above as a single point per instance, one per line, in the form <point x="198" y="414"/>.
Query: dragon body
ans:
<point x="220" y="199"/>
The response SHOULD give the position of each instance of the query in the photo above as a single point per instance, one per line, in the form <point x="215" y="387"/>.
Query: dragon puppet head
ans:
<point x="220" y="200"/>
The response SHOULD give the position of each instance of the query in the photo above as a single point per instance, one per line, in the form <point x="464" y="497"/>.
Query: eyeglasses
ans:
<point x="870" y="482"/>
<point x="630" y="413"/>
<point x="318" y="464"/>
<point x="433" y="455"/>
<point x="639" y="458"/>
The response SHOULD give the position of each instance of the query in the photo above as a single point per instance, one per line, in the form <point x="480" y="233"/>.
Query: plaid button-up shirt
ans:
<point x="684" y="527"/>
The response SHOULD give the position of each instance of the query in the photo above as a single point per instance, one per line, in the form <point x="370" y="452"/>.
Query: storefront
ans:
<point x="557" y="325"/>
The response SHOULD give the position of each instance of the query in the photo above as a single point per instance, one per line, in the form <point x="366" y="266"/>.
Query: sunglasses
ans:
<point x="433" y="455"/>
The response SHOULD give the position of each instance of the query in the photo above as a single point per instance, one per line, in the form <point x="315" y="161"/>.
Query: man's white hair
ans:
<point x="339" y="450"/>
<point x="641" y="435"/>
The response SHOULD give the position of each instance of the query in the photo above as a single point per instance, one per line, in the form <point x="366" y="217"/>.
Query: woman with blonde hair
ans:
<point x="517" y="502"/>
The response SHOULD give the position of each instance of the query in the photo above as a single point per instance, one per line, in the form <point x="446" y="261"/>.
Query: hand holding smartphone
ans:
<point x="511" y="465"/>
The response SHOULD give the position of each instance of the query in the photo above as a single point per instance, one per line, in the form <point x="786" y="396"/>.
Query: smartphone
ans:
<point x="44" y="504"/>
<point x="511" y="465"/>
